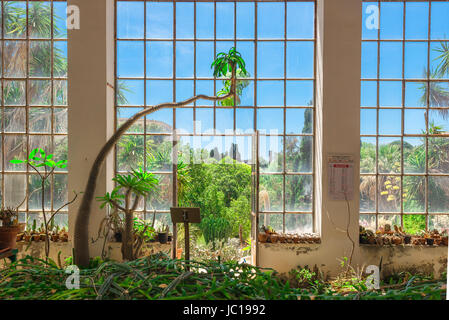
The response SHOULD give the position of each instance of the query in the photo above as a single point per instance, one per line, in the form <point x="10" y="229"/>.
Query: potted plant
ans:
<point x="162" y="234"/>
<point x="10" y="228"/>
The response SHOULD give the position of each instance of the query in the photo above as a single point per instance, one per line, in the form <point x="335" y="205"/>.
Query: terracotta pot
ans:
<point x="27" y="237"/>
<point x="262" y="237"/>
<point x="36" y="237"/>
<point x="444" y="241"/>
<point x="43" y="236"/>
<point x="430" y="241"/>
<point x="372" y="240"/>
<point x="179" y="253"/>
<point x="296" y="239"/>
<point x="55" y="238"/>
<point x="274" y="238"/>
<point x="19" y="237"/>
<point x="8" y="236"/>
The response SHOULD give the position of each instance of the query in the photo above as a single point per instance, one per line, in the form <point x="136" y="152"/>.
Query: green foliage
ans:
<point x="225" y="62"/>
<point x="158" y="277"/>
<point x="38" y="159"/>
<point x="215" y="229"/>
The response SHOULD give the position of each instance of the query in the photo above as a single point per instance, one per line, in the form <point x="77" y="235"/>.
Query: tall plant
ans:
<point x="126" y="197"/>
<point x="44" y="165"/>
<point x="224" y="63"/>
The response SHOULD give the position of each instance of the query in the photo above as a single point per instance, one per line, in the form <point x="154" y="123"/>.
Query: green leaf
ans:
<point x="17" y="161"/>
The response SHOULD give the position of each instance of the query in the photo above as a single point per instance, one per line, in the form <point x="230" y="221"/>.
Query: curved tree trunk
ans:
<point x="81" y="237"/>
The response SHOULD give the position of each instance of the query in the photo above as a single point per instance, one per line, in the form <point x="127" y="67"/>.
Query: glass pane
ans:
<point x="389" y="155"/>
<point x="368" y="194"/>
<point x="438" y="156"/>
<point x="205" y="20"/>
<point x="245" y="120"/>
<point x="184" y="120"/>
<point x="60" y="20"/>
<point x="370" y="18"/>
<point x="270" y="60"/>
<point x="225" y="120"/>
<point x="439" y="222"/>
<point x="130" y="152"/>
<point x="414" y="155"/>
<point x="130" y="93"/>
<point x="39" y="120"/>
<point x="123" y="115"/>
<point x="300" y="93"/>
<point x="392" y="220"/>
<point x="438" y="196"/>
<point x="414" y="194"/>
<point x="60" y="59"/>
<point x="299" y="154"/>
<point x="162" y="199"/>
<point x="298" y="223"/>
<point x="184" y="20"/>
<point x="35" y="191"/>
<point x="368" y="155"/>
<point x="368" y="221"/>
<point x="439" y="24"/>
<point x="40" y="59"/>
<point x="389" y="194"/>
<point x="130" y="19"/>
<point x="159" y="20"/>
<point x="300" y="20"/>
<point x="391" y="19"/>
<point x="415" y="121"/>
<point x="390" y="93"/>
<point x="270" y="93"/>
<point x="390" y="121"/>
<point x="14" y="148"/>
<point x="15" y="120"/>
<point x="14" y="55"/>
<point x="60" y="120"/>
<point x="160" y="121"/>
<point x="271" y="193"/>
<point x="300" y="59"/>
<point x="415" y="94"/>
<point x="390" y="60"/>
<point x="368" y="94"/>
<point x="39" y="92"/>
<point x="159" y="91"/>
<point x="270" y="20"/>
<point x="271" y="154"/>
<point x="204" y="122"/>
<point x="15" y="187"/>
<point x="60" y="191"/>
<point x="160" y="59"/>
<point x="225" y="20"/>
<point x="184" y="59"/>
<point x="299" y="121"/>
<point x="15" y="19"/>
<point x="368" y="121"/>
<point x="204" y="58"/>
<point x="369" y="60"/>
<point x="159" y="153"/>
<point x="270" y="120"/>
<point x="245" y="20"/>
<point x="275" y="221"/>
<point x="414" y="223"/>
<point x="39" y="19"/>
<point x="130" y="59"/>
<point x="60" y="93"/>
<point x="298" y="193"/>
<point x="415" y="60"/>
<point x="417" y="20"/>
<point x="60" y="150"/>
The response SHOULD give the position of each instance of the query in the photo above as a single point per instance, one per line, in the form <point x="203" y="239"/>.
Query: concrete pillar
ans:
<point x="91" y="103"/>
<point x="339" y="25"/>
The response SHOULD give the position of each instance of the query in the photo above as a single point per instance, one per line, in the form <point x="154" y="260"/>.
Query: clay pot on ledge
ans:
<point x="262" y="237"/>
<point x="274" y="238"/>
<point x="430" y="241"/>
<point x="8" y="236"/>
<point x="444" y="241"/>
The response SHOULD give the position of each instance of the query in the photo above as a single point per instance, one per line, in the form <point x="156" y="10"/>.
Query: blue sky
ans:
<point x="394" y="56"/>
<point x="269" y="62"/>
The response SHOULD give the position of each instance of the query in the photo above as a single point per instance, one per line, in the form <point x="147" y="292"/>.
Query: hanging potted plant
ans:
<point x="10" y="228"/>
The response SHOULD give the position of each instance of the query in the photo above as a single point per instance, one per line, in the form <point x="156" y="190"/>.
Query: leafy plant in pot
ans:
<point x="125" y="198"/>
<point x="10" y="228"/>
<point x="44" y="165"/>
